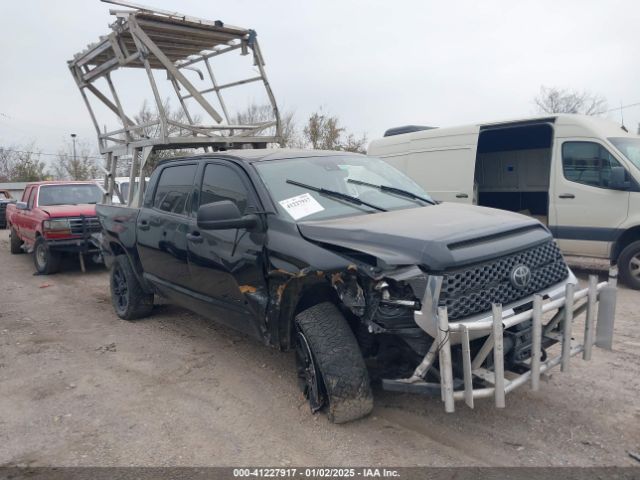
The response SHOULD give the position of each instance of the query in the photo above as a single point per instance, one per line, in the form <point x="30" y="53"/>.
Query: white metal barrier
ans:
<point x="598" y="300"/>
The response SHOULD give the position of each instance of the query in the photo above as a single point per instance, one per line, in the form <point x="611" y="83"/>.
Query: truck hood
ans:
<point x="437" y="237"/>
<point x="58" y="211"/>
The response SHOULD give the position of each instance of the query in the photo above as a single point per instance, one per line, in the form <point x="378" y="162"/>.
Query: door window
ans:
<point x="588" y="163"/>
<point x="173" y="193"/>
<point x="221" y="182"/>
<point x="32" y="198"/>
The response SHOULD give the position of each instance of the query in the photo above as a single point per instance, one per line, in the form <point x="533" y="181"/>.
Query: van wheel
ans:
<point x="45" y="260"/>
<point x="16" y="244"/>
<point x="629" y="265"/>
<point x="129" y="299"/>
<point x="331" y="369"/>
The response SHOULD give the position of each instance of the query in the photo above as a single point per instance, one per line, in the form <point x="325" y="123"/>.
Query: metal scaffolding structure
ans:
<point x="171" y="42"/>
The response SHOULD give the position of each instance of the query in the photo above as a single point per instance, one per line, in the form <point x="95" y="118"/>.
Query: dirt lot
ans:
<point x="78" y="386"/>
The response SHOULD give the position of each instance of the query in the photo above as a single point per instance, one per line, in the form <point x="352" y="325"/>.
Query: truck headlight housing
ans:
<point x="59" y="226"/>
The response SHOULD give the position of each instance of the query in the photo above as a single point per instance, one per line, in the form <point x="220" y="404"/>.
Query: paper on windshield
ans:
<point x="301" y="206"/>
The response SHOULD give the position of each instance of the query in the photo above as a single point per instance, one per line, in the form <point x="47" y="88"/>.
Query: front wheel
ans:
<point x="45" y="260"/>
<point x="629" y="265"/>
<point x="129" y="299"/>
<point x="330" y="365"/>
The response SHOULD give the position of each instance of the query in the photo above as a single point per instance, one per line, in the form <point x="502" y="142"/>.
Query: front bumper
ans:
<point x="75" y="245"/>
<point x="551" y="317"/>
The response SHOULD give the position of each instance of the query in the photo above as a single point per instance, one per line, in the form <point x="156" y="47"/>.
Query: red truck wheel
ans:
<point x="16" y="243"/>
<point x="45" y="260"/>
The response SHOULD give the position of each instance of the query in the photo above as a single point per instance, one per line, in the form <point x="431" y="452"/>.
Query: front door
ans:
<point x="227" y="266"/>
<point x="585" y="212"/>
<point x="162" y="228"/>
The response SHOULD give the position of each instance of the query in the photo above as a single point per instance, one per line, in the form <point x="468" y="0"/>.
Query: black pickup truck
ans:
<point x="336" y="255"/>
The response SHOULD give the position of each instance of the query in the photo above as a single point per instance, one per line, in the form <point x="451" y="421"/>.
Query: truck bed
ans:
<point x="118" y="225"/>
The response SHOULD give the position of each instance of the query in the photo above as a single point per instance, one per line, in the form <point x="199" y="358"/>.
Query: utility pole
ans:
<point x="73" y="139"/>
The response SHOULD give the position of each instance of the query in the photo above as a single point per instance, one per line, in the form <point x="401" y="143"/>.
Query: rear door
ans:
<point x="227" y="266"/>
<point x="162" y="226"/>
<point x="585" y="213"/>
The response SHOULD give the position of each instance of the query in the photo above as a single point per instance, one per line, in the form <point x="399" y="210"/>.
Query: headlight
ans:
<point x="57" y="225"/>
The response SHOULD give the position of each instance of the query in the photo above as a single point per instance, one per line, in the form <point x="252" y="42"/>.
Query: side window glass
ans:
<point x="32" y="198"/>
<point x="173" y="193"/>
<point x="223" y="183"/>
<point x="588" y="163"/>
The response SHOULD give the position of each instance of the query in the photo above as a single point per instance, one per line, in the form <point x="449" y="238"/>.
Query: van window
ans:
<point x="630" y="148"/>
<point x="174" y="189"/>
<point x="223" y="183"/>
<point x="588" y="163"/>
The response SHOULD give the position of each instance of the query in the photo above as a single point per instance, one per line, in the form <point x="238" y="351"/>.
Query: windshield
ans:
<point x="333" y="173"/>
<point x="629" y="147"/>
<point x="71" y="194"/>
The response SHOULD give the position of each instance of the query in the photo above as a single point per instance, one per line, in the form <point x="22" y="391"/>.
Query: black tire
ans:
<point x="341" y="378"/>
<point x="629" y="265"/>
<point x="45" y="260"/>
<point x="15" y="245"/>
<point x="128" y="298"/>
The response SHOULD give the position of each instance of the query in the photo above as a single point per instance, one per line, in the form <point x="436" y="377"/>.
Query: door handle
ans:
<point x="566" y="195"/>
<point x="144" y="225"/>
<point x="462" y="195"/>
<point x="195" y="237"/>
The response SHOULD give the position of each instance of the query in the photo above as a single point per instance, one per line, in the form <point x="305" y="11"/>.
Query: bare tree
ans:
<point x="255" y="114"/>
<point x="147" y="114"/>
<point x="560" y="100"/>
<point x="323" y="132"/>
<point x="21" y="164"/>
<point x="82" y="166"/>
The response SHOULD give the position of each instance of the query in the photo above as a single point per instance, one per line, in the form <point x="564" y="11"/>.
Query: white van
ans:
<point x="577" y="174"/>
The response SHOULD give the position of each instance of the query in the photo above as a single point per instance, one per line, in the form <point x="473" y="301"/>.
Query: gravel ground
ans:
<point x="80" y="387"/>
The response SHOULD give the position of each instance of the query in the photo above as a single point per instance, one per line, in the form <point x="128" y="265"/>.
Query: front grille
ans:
<point x="91" y="225"/>
<point x="473" y="289"/>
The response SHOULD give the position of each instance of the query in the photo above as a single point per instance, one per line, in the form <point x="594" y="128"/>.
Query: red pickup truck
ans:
<point x="54" y="218"/>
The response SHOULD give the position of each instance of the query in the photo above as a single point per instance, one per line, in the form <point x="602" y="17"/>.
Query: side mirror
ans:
<point x="618" y="179"/>
<point x="223" y="215"/>
<point x="22" y="206"/>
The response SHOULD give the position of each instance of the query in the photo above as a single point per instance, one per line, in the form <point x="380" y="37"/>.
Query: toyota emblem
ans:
<point x="520" y="276"/>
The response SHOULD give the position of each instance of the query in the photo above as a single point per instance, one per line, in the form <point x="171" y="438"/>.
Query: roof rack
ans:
<point x="152" y="39"/>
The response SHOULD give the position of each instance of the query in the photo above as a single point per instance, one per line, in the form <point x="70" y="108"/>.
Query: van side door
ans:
<point x="585" y="213"/>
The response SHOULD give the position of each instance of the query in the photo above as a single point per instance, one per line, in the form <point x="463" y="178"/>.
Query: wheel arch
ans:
<point x="629" y="236"/>
<point x="298" y="295"/>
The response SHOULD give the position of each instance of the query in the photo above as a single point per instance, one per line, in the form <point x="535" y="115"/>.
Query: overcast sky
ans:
<point x="375" y="64"/>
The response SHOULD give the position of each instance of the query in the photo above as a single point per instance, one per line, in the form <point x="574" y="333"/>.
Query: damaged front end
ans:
<point x="407" y="337"/>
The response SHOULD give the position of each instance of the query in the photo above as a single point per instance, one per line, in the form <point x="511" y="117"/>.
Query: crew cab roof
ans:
<point x="262" y="154"/>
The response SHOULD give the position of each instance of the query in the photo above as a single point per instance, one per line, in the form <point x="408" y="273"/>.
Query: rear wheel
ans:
<point x="629" y="265"/>
<point x="16" y="243"/>
<point x="45" y="260"/>
<point x="331" y="369"/>
<point x="129" y="299"/>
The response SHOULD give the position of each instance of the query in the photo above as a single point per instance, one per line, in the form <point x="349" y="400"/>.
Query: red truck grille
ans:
<point x="82" y="225"/>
